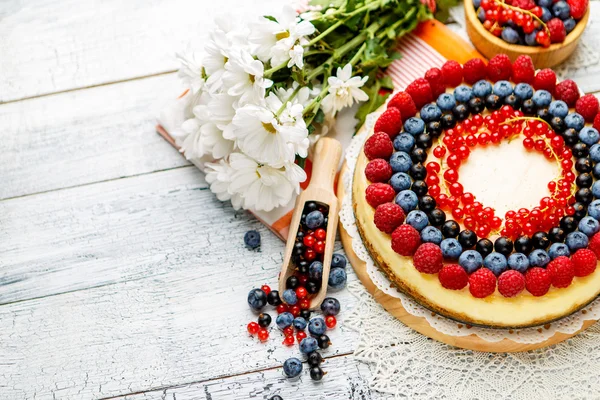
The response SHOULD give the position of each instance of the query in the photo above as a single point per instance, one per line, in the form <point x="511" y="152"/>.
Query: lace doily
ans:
<point x="567" y="325"/>
<point x="407" y="365"/>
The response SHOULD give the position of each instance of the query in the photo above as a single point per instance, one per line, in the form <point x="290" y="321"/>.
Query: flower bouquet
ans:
<point x="261" y="93"/>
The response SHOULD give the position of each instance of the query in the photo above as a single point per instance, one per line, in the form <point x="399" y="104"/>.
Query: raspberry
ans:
<point x="597" y="122"/>
<point x="474" y="70"/>
<point x="428" y="258"/>
<point x="482" y="283"/>
<point x="511" y="283"/>
<point x="405" y="104"/>
<point x="545" y="79"/>
<point x="578" y="8"/>
<point x="379" y="145"/>
<point x="379" y="193"/>
<point x="584" y="261"/>
<point x="561" y="272"/>
<point x="388" y="216"/>
<point x="389" y="122"/>
<point x="594" y="244"/>
<point x="378" y="170"/>
<point x="587" y="106"/>
<point x="405" y="240"/>
<point x="537" y="281"/>
<point x="434" y="77"/>
<point x="557" y="30"/>
<point x="420" y="91"/>
<point x="499" y="68"/>
<point x="568" y="92"/>
<point x="523" y="70"/>
<point x="452" y="73"/>
<point x="453" y="276"/>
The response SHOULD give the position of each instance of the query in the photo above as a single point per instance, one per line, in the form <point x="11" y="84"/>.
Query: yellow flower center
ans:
<point x="269" y="128"/>
<point x="252" y="78"/>
<point x="282" y="35"/>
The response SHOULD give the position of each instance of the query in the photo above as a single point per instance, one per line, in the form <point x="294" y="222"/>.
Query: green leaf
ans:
<point x="386" y="83"/>
<point x="326" y="3"/>
<point x="320" y="117"/>
<point x="300" y="161"/>
<point x="270" y="18"/>
<point x="311" y="128"/>
<point x="299" y="76"/>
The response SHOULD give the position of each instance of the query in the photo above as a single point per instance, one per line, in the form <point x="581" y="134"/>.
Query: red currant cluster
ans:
<point x="455" y="148"/>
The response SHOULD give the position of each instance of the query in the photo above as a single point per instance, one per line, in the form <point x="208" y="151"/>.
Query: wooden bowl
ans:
<point x="490" y="45"/>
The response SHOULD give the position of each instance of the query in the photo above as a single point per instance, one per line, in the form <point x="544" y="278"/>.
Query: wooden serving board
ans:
<point x="420" y="324"/>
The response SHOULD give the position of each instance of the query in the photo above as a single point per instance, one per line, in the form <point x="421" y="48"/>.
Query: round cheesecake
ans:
<point x="505" y="176"/>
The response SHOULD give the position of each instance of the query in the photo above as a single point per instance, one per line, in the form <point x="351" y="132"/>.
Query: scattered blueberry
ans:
<point x="289" y="297"/>
<point x="496" y="263"/>
<point x="414" y="126"/>
<point x="510" y="35"/>
<point x="451" y="248"/>
<point x="545" y="3"/>
<point x="338" y="261"/>
<point x="400" y="181"/>
<point x="463" y="93"/>
<point x="292" y="367"/>
<point x="546" y="14"/>
<point x="558" y="249"/>
<point x="417" y="219"/>
<point x="530" y="38"/>
<point x="523" y="91"/>
<point x="316" y="326"/>
<point x="284" y="320"/>
<point x="538" y="258"/>
<point x="482" y="88"/>
<point x="594" y="209"/>
<point x="542" y="98"/>
<point x="518" y="262"/>
<point x="589" y="135"/>
<point x="561" y="10"/>
<point x="570" y="24"/>
<point x="407" y="199"/>
<point x="576" y="240"/>
<point x="252" y="239"/>
<point x="446" y="101"/>
<point x="276" y="397"/>
<point x="574" y="121"/>
<point x="589" y="226"/>
<point x="404" y="142"/>
<point x="314" y="219"/>
<point x="330" y="306"/>
<point x="503" y="88"/>
<point x="400" y="161"/>
<point x="337" y="278"/>
<point x="430" y="112"/>
<point x="300" y="323"/>
<point x="315" y="270"/>
<point x="308" y="345"/>
<point x="596" y="189"/>
<point x="431" y="234"/>
<point x="470" y="260"/>
<point x="595" y="152"/>
<point x="558" y="108"/>
<point x="257" y="299"/>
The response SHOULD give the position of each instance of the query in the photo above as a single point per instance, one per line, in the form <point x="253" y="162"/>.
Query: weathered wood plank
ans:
<point x="85" y="136"/>
<point x="49" y="46"/>
<point x="346" y="379"/>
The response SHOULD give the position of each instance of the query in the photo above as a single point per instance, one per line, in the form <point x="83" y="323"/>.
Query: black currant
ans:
<point x="292" y="282"/>
<point x="544" y="114"/>
<point x="580" y="210"/>
<point x="273" y="298"/>
<point x="303" y="267"/>
<point x="314" y="359"/>
<point x="434" y="128"/>
<point x="264" y="320"/>
<point x="540" y="240"/>
<point x="436" y="217"/>
<point x="461" y="112"/>
<point x="424" y="140"/>
<point x="568" y="224"/>
<point x="513" y="101"/>
<point x="583" y="165"/>
<point x="448" y="121"/>
<point x="300" y="235"/>
<point x="558" y="124"/>
<point x="316" y="373"/>
<point x="312" y="287"/>
<point x="570" y="136"/>
<point x="584" y="180"/>
<point x="584" y="195"/>
<point x="417" y="172"/>
<point x="528" y="107"/>
<point x="323" y="341"/>
<point x="450" y="229"/>
<point x="305" y="314"/>
<point x="556" y="235"/>
<point x="493" y="102"/>
<point x="467" y="239"/>
<point x="484" y="247"/>
<point x="310" y="206"/>
<point x="503" y="245"/>
<point x="419" y="187"/>
<point x="418" y="155"/>
<point x="580" y="150"/>
<point x="476" y="105"/>
<point x="426" y="203"/>
<point x="523" y="244"/>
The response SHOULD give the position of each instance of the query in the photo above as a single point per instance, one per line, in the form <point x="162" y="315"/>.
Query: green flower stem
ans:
<point x="410" y="14"/>
<point x="325" y="33"/>
<point x="367" y="7"/>
<point x="356" y="57"/>
<point x="268" y="73"/>
<point x="284" y="105"/>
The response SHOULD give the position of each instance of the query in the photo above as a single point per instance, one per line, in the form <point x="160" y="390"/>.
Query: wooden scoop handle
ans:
<point x="326" y="158"/>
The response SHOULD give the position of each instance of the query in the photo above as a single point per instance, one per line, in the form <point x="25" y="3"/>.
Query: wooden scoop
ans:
<point x="320" y="189"/>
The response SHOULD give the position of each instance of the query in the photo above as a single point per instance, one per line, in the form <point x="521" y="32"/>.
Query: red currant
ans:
<point x="301" y="292"/>
<point x="434" y="190"/>
<point x="330" y="321"/>
<point x="295" y="310"/>
<point x="304" y="304"/>
<point x="288" y="331"/>
<point x="453" y="161"/>
<point x="288" y="341"/>
<point x="321" y="234"/>
<point x="253" y="328"/>
<point x="439" y="151"/>
<point x="458" y="213"/>
<point x="470" y="223"/>
<point x="432" y="180"/>
<point x="456" y="189"/>
<point x="266" y="289"/>
<point x="433" y="167"/>
<point x="468" y="198"/>
<point x="319" y="247"/>
<point x="451" y="175"/>
<point x="282" y="308"/>
<point x="263" y="334"/>
<point x="483" y="138"/>
<point x="309" y="254"/>
<point x="300" y="335"/>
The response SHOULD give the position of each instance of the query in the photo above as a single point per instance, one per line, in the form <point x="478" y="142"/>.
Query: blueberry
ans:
<point x="558" y="108"/>
<point x="400" y="162"/>
<point x="530" y="38"/>
<point x="595" y="152"/>
<point x="431" y="234"/>
<point x="503" y="88"/>
<point x="330" y="306"/>
<point x="481" y="14"/>
<point x="308" y="345"/>
<point x="470" y="260"/>
<point x="299" y="323"/>
<point x="509" y="35"/>
<point x="463" y="93"/>
<point x="476" y="3"/>
<point x="338" y="261"/>
<point x="276" y="397"/>
<point x="257" y="299"/>
<point x="545" y="3"/>
<point x="570" y="24"/>
<point x="289" y="296"/>
<point x="337" y="278"/>
<point x="446" y="101"/>
<point x="407" y="199"/>
<point x="518" y="262"/>
<point x="430" y="112"/>
<point x="542" y="98"/>
<point x="451" y="248"/>
<point x="561" y="10"/>
<point x="589" y="135"/>
<point x="316" y="373"/>
<point x="496" y="263"/>
<point x="596" y="171"/>
<point x="576" y="240"/>
<point x="538" y="258"/>
<point x="317" y="326"/>
<point x="482" y="88"/>
<point x="273" y="298"/>
<point x="400" y="181"/>
<point x="284" y="320"/>
<point x="315" y="271"/>
<point x="252" y="239"/>
<point x="574" y="121"/>
<point x="292" y="367"/>
<point x="314" y="219"/>
<point x="596" y="189"/>
<point x="594" y="210"/>
<point x="415" y="126"/>
<point x="523" y="91"/>
<point x="558" y="249"/>
<point x="417" y="219"/>
<point x="546" y="14"/>
<point x="404" y="142"/>
<point x="589" y="226"/>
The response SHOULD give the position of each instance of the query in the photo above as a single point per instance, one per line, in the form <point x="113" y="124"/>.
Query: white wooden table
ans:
<point x="121" y="276"/>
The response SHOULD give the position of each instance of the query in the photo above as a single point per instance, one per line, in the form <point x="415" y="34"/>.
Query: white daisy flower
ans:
<point x="199" y="137"/>
<point x="344" y="90"/>
<point x="296" y="57"/>
<point x="218" y="176"/>
<point x="192" y="71"/>
<point x="243" y="78"/>
<point x="262" y="187"/>
<point x="222" y="110"/>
